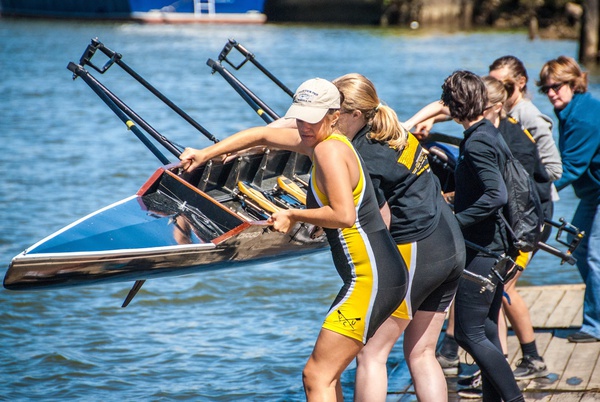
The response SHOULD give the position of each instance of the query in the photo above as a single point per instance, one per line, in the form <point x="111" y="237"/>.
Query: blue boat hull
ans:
<point x="234" y="11"/>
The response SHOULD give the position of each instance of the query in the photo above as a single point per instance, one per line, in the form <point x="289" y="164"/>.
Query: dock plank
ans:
<point x="577" y="321"/>
<point x="576" y="376"/>
<point x="542" y="340"/>
<point x="556" y="357"/>
<point x="569" y="397"/>
<point x="594" y="381"/>
<point x="543" y="307"/>
<point x="556" y="311"/>
<point x="591" y="397"/>
<point x="529" y="294"/>
<point x="570" y="310"/>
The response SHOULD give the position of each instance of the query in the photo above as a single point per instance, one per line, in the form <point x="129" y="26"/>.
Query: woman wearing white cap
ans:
<point x="341" y="199"/>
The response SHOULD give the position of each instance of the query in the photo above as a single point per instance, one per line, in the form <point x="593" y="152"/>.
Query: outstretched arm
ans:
<point x="424" y="119"/>
<point x="284" y="138"/>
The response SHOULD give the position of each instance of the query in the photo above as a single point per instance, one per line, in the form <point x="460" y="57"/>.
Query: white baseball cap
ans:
<point x="313" y="99"/>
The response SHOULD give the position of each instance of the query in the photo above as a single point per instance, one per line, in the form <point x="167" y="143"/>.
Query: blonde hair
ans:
<point x="358" y="93"/>
<point x="496" y="92"/>
<point x="564" y="69"/>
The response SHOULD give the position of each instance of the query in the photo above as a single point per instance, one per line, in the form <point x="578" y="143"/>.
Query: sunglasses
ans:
<point x="544" y="89"/>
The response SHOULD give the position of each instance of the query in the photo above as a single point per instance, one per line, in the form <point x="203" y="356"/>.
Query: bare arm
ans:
<point x="337" y="176"/>
<point x="283" y="123"/>
<point x="424" y="118"/>
<point x="284" y="138"/>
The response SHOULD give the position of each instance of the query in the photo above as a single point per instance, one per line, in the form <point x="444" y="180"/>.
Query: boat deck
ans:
<point x="556" y="311"/>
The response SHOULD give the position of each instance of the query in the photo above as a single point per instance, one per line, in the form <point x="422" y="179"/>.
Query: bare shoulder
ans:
<point x="332" y="150"/>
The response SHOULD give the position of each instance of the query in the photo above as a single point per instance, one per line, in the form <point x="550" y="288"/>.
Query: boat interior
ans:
<point x="221" y="195"/>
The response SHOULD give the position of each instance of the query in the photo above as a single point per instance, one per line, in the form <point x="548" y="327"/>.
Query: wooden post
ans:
<point x="588" y="39"/>
<point x="533" y="26"/>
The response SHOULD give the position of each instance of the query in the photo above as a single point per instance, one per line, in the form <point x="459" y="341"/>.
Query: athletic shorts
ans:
<point x="435" y="264"/>
<point x="375" y="283"/>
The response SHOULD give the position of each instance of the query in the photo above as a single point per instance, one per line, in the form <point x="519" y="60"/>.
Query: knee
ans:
<point x="460" y="336"/>
<point x="367" y="359"/>
<point x="310" y="376"/>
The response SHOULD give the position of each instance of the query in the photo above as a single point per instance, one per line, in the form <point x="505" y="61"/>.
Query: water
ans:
<point x="230" y="335"/>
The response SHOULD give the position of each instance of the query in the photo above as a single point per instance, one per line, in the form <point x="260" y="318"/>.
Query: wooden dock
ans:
<point x="556" y="311"/>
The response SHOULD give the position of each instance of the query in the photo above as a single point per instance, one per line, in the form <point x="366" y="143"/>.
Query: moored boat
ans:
<point x="149" y="11"/>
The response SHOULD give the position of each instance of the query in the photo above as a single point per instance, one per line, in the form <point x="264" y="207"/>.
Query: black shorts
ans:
<point x="435" y="265"/>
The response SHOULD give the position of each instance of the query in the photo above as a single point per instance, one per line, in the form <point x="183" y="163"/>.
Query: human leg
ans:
<point x="587" y="218"/>
<point x="444" y="256"/>
<point x="420" y="340"/>
<point x="532" y="364"/>
<point x="516" y="309"/>
<point x="447" y="355"/>
<point x="371" y="369"/>
<point x="476" y="330"/>
<point x="332" y="353"/>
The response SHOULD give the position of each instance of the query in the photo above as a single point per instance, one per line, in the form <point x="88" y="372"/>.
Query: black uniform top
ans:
<point x="480" y="187"/>
<point x="403" y="179"/>
<point x="523" y="147"/>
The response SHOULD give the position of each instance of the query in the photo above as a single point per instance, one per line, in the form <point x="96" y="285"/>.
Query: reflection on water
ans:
<point x="239" y="334"/>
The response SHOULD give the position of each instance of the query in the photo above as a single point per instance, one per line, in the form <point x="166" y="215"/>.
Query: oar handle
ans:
<point x="133" y="115"/>
<point x="232" y="43"/>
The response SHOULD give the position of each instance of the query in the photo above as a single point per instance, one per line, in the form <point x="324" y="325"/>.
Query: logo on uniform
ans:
<point x="347" y="322"/>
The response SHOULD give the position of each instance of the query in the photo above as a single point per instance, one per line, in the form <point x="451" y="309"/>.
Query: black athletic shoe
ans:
<point x="470" y="393"/>
<point x="530" y="367"/>
<point x="450" y="367"/>
<point x="473" y="381"/>
<point x="582" y="337"/>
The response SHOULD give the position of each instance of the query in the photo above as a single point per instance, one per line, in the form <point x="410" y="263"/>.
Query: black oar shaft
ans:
<point x="138" y="120"/>
<point x="483" y="250"/>
<point x="110" y="102"/>
<point x="155" y="92"/>
<point x="260" y="107"/>
<point x="565" y="257"/>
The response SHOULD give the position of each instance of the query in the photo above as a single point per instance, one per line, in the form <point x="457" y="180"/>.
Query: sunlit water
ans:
<point x="229" y="335"/>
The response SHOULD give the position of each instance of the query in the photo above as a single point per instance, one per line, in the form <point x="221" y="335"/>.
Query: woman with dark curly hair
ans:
<point x="480" y="193"/>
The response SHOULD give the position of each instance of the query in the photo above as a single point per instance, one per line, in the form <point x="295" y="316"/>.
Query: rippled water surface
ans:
<point x="229" y="335"/>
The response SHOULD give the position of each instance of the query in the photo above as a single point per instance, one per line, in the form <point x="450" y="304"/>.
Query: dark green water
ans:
<point x="229" y="335"/>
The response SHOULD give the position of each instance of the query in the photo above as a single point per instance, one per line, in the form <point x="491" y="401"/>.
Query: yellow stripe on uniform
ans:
<point x="351" y="315"/>
<point x="408" y="252"/>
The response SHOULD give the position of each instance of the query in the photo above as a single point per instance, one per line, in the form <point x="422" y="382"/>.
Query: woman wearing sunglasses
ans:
<point x="578" y="113"/>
